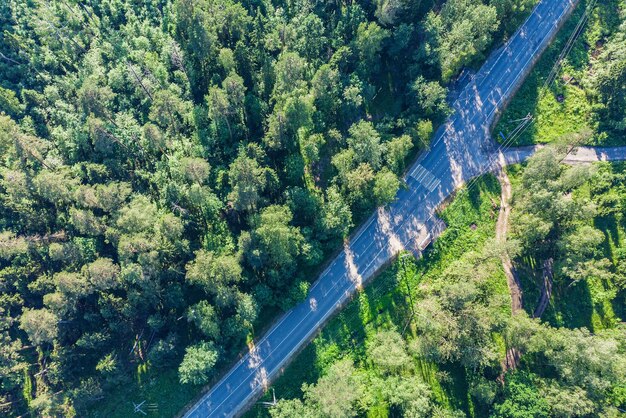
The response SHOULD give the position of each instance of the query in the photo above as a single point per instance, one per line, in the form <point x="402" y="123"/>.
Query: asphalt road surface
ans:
<point x="460" y="150"/>
<point x="581" y="155"/>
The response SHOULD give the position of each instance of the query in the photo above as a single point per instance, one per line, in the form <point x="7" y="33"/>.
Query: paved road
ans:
<point x="581" y="155"/>
<point x="460" y="150"/>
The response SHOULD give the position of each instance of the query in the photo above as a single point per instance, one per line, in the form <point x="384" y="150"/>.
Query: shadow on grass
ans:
<point x="530" y="280"/>
<point x="573" y="308"/>
<point x="610" y="227"/>
<point x="619" y="304"/>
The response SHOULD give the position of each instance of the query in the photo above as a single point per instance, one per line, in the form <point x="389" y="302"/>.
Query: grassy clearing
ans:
<point x="563" y="107"/>
<point x="384" y="303"/>
<point x="593" y="304"/>
<point x="161" y="390"/>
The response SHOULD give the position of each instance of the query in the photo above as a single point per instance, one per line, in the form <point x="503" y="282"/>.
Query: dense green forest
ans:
<point x="174" y="172"/>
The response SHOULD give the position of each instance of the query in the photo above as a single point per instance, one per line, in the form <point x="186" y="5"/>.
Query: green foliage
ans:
<point x="521" y="399"/>
<point x="587" y="92"/>
<point x="459" y="34"/>
<point x="40" y="325"/>
<point x="386" y="185"/>
<point x="387" y="350"/>
<point x="562" y="213"/>
<point x="198" y="363"/>
<point x="368" y="333"/>
<point x="177" y="159"/>
<point x="462" y="317"/>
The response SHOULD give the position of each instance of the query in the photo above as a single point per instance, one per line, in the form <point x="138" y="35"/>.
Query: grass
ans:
<point x="384" y="303"/>
<point x="164" y="396"/>
<point x="563" y="107"/>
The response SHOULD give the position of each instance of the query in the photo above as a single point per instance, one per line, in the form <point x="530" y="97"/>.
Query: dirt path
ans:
<point x="511" y="361"/>
<point x="502" y="227"/>
<point x="513" y="355"/>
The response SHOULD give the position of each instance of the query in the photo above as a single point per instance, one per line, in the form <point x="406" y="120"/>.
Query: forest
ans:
<point x="174" y="174"/>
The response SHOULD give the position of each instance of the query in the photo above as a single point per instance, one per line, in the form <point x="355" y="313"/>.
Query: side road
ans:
<point x="460" y="150"/>
<point x="581" y="155"/>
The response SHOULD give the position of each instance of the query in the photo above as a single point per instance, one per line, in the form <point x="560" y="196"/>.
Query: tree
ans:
<point x="198" y="363"/>
<point x="335" y="393"/>
<point x="12" y="366"/>
<point x="56" y="187"/>
<point x="460" y="33"/>
<point x="430" y="97"/>
<point x="215" y="274"/>
<point x="226" y="104"/>
<point x="74" y="285"/>
<point x="387" y="350"/>
<point x="108" y="197"/>
<point x="289" y="408"/>
<point x="364" y="140"/>
<point x="290" y="71"/>
<point x="247" y="180"/>
<point x="396" y="152"/>
<point x="86" y="222"/>
<point x="410" y="394"/>
<point x="40" y="325"/>
<point x="358" y="185"/>
<point x="102" y="273"/>
<point x="274" y="245"/>
<point x="369" y="42"/>
<point x="205" y="319"/>
<point x="510" y="12"/>
<point x="386" y="186"/>
<point x="311" y="41"/>
<point x="326" y="89"/>
<point x="521" y="399"/>
<point x="9" y="103"/>
<point x="195" y="170"/>
<point x="583" y="365"/>
<point x="164" y="352"/>
<point x="310" y="146"/>
<point x="608" y="82"/>
<point x="425" y="131"/>
<point x="296" y="113"/>
<point x="337" y="217"/>
<point x="581" y="251"/>
<point x="389" y="12"/>
<point x="457" y="317"/>
<point x="169" y="110"/>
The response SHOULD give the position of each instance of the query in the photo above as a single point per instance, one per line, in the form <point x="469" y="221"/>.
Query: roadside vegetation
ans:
<point x="589" y="88"/>
<point x="380" y="321"/>
<point x="572" y="361"/>
<point x="174" y="172"/>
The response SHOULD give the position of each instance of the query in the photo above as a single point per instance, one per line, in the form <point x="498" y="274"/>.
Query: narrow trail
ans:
<point x="502" y="227"/>
<point x="513" y="355"/>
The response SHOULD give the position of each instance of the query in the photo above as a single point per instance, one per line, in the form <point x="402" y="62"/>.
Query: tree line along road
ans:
<point x="461" y="150"/>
